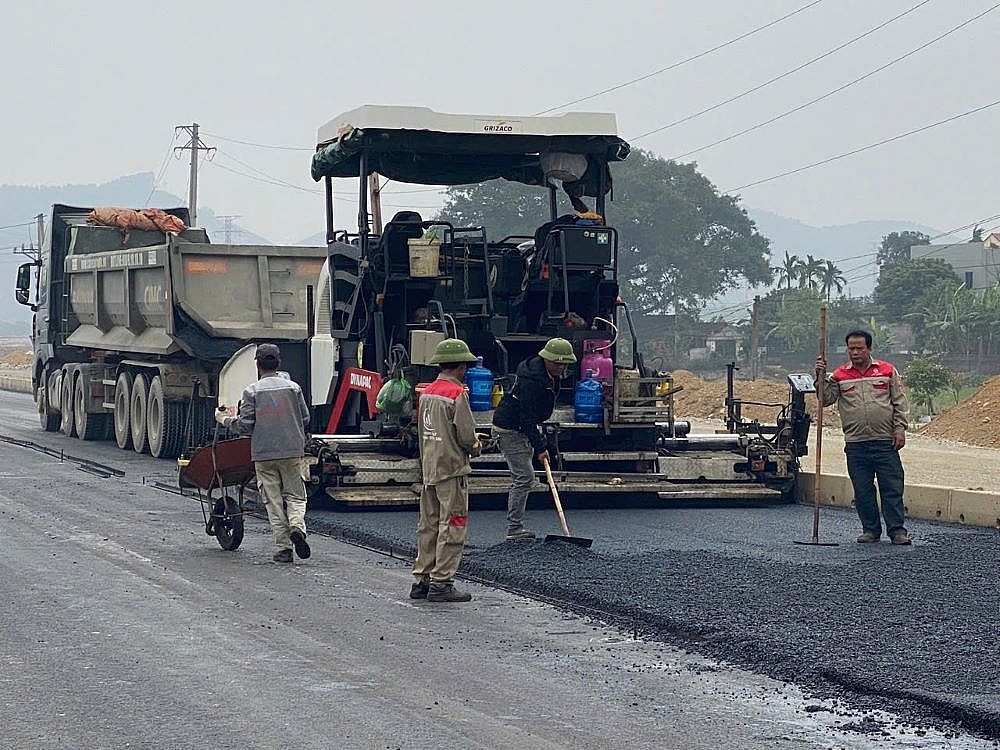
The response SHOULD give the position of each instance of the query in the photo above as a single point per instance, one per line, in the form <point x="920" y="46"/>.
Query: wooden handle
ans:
<point x="555" y="496"/>
<point x="820" y="395"/>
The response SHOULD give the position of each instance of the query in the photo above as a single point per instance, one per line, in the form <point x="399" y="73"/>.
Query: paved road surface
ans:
<point x="124" y="625"/>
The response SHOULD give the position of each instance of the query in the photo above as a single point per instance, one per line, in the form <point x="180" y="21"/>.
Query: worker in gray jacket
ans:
<point x="274" y="413"/>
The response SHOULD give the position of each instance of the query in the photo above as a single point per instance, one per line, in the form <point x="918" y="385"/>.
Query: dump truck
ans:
<point x="397" y="289"/>
<point x="132" y="328"/>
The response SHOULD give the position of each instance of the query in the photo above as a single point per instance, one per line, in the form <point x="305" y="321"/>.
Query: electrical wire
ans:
<point x="781" y="76"/>
<point x="15" y="226"/>
<point x="258" y="145"/>
<point x="869" y="147"/>
<point x="837" y="90"/>
<point x="163" y="168"/>
<point x="679" y="63"/>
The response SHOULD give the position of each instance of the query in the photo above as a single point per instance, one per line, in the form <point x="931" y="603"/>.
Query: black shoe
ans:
<point x="282" y="556"/>
<point x="446" y="592"/>
<point x="419" y="590"/>
<point x="301" y="545"/>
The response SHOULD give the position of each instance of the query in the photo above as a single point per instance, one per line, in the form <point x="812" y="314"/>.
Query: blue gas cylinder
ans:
<point x="588" y="400"/>
<point x="480" y="382"/>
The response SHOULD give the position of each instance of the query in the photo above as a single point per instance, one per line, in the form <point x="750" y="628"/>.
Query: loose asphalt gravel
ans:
<point x="911" y="630"/>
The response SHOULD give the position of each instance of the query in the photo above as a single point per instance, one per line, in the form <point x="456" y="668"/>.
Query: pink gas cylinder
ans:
<point x="596" y="357"/>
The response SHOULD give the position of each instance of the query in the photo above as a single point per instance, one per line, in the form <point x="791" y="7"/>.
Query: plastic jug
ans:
<point x="588" y="400"/>
<point x="480" y="382"/>
<point x="596" y="358"/>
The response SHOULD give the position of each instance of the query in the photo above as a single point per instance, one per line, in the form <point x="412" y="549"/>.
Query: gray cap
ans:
<point x="268" y="351"/>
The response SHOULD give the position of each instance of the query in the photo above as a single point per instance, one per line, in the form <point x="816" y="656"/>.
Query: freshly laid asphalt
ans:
<point x="912" y="630"/>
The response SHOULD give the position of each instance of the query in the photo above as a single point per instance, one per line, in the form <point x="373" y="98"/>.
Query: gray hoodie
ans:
<point x="274" y="413"/>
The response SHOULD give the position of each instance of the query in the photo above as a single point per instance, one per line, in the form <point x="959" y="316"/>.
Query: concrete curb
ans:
<point x="17" y="383"/>
<point x="925" y="501"/>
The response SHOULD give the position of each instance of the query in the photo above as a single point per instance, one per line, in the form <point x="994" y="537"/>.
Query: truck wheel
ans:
<point x="88" y="426"/>
<point x="164" y="422"/>
<point x="137" y="413"/>
<point x="67" y="425"/>
<point x="49" y="422"/>
<point x="123" y="411"/>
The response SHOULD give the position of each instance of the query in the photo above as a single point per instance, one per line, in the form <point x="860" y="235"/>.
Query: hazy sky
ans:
<point x="93" y="91"/>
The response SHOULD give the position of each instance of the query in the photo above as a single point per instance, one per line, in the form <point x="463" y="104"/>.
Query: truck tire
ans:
<point x="67" y="425"/>
<point x="137" y="413"/>
<point x="164" y="422"/>
<point x="88" y="426"/>
<point x="49" y="422"/>
<point x="123" y="411"/>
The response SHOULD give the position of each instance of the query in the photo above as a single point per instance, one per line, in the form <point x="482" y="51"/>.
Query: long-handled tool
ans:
<point x="818" y="475"/>
<point x="579" y="541"/>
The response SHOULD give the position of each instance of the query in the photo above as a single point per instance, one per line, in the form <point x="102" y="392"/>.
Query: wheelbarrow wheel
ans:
<point x="227" y="522"/>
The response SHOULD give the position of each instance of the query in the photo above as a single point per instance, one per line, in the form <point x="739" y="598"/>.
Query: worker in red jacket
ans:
<point x="447" y="435"/>
<point x="873" y="410"/>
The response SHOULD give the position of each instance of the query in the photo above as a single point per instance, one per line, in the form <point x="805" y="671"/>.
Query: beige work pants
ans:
<point x="280" y="484"/>
<point x="441" y="529"/>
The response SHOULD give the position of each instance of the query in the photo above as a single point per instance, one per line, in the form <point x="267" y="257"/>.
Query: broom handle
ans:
<point x="820" y="388"/>
<point x="555" y="496"/>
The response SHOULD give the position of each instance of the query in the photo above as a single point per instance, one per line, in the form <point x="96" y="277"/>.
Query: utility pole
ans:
<point x="40" y="230"/>
<point x="754" y="332"/>
<point x="194" y="145"/>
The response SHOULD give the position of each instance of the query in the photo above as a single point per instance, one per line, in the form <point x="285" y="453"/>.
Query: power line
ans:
<point x="259" y="145"/>
<point x="869" y="147"/>
<point x="787" y="73"/>
<point x="162" y="169"/>
<point x="685" y="61"/>
<point x="15" y="226"/>
<point x="837" y="90"/>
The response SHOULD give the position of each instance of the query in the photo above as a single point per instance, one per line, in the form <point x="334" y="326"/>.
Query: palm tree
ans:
<point x="810" y="272"/>
<point x="831" y="279"/>
<point x="788" y="271"/>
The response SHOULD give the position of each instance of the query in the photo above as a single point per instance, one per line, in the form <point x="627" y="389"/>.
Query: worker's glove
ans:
<point x="486" y="443"/>
<point x="222" y="416"/>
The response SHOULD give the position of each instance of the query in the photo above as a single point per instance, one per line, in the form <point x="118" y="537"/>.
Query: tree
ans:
<point x="681" y="243"/>
<point x="788" y="271"/>
<point x="895" y="248"/>
<point x="912" y="285"/>
<point x="924" y="377"/>
<point x="810" y="272"/>
<point x="831" y="279"/>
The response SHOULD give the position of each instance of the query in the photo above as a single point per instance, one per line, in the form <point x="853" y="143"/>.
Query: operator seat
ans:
<point x="392" y="245"/>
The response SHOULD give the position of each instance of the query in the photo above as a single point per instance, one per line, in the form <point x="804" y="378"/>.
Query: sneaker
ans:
<point x="446" y="592"/>
<point x="282" y="556"/>
<point x="868" y="537"/>
<point x="901" y="537"/>
<point x="419" y="590"/>
<point x="301" y="545"/>
<point x="519" y="535"/>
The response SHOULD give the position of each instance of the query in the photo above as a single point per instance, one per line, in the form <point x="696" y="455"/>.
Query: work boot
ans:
<point x="419" y="589"/>
<point x="282" y="556"/>
<point x="869" y="536"/>
<point x="519" y="535"/>
<point x="301" y="545"/>
<point x="446" y="592"/>
<point x="901" y="537"/>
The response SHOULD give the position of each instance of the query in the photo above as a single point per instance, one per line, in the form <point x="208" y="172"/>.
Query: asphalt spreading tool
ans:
<point x="579" y="541"/>
<point x="818" y="474"/>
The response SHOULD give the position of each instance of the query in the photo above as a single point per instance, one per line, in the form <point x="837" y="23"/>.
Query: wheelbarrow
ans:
<point x="223" y="467"/>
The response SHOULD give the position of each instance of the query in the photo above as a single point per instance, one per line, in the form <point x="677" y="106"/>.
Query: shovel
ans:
<point x="579" y="541"/>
